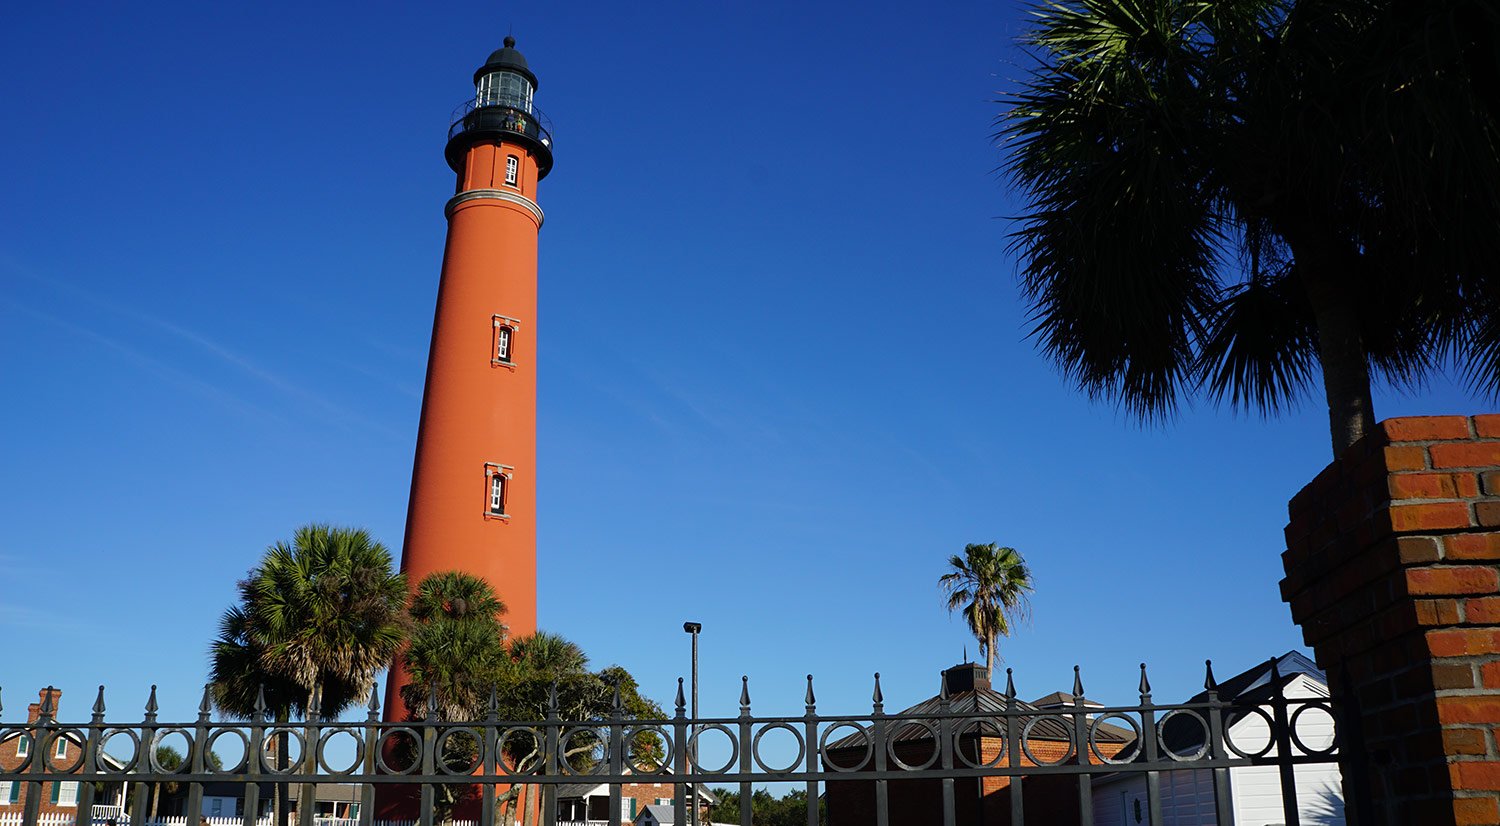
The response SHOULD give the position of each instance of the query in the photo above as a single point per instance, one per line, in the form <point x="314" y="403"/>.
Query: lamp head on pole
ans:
<point x="692" y="627"/>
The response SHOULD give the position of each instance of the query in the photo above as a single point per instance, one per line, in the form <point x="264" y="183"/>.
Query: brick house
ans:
<point x="589" y="802"/>
<point x="65" y="753"/>
<point x="1049" y="799"/>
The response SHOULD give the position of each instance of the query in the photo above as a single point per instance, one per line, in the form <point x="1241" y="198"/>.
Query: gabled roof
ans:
<point x="663" y="814"/>
<point x="1183" y="734"/>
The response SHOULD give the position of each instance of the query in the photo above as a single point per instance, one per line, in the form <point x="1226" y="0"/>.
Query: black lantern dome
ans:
<point x="502" y="110"/>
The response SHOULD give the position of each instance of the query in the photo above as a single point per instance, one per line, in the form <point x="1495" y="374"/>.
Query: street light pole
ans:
<point x="693" y="628"/>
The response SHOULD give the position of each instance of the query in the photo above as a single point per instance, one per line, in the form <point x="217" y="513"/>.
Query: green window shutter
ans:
<point x="15" y="792"/>
<point x="56" y="787"/>
<point x="632" y="808"/>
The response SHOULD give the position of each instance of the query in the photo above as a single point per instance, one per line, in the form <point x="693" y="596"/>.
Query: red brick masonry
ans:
<point x="1393" y="573"/>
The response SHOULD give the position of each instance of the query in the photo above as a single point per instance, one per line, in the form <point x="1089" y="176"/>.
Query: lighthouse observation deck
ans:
<point x="499" y="117"/>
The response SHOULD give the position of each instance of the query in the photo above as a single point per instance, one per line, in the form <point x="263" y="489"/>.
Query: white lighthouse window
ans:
<point x="502" y="344"/>
<point x="512" y="165"/>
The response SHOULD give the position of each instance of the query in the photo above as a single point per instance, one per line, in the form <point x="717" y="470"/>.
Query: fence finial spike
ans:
<point x="204" y="706"/>
<point x="374" y="704"/>
<point x="1275" y="671"/>
<point x="493" y="706"/>
<point x="430" y="710"/>
<point x="151" y="705"/>
<point x="260" y="700"/>
<point x="681" y="698"/>
<point x="810" y="700"/>
<point x="1208" y="680"/>
<point x="943" y="685"/>
<point x="1077" y="682"/>
<point x="2" y="708"/>
<point x="99" y="701"/>
<point x="618" y="701"/>
<point x="552" y="698"/>
<point x="877" y="697"/>
<point x="1010" y="686"/>
<point x="47" y="709"/>
<point x="744" y="692"/>
<point x="1145" y="683"/>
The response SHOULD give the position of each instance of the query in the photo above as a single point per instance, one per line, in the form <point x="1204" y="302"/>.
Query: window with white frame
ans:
<point x="497" y="487"/>
<point x="61" y="750"/>
<point x="10" y="792"/>
<point x="512" y="166"/>
<point x="65" y="794"/>
<point x="23" y="746"/>
<point x="503" y="347"/>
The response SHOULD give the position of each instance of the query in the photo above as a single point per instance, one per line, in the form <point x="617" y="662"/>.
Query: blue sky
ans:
<point x="783" y="367"/>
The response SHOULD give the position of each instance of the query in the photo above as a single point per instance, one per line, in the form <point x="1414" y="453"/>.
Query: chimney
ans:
<point x="967" y="677"/>
<point x="34" y="711"/>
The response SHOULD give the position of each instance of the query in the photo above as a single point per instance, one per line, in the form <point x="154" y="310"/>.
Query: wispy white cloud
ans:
<point x="323" y="406"/>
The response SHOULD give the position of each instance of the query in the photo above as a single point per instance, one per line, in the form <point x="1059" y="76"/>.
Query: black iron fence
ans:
<point x="965" y="756"/>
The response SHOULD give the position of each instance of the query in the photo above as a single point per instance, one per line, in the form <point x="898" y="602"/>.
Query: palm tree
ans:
<point x="316" y="620"/>
<point x="994" y="582"/>
<point x="457" y="645"/>
<point x="1224" y="196"/>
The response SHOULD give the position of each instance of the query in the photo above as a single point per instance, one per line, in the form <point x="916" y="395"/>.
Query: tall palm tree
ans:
<point x="994" y="582"/>
<point x="316" y="620"/>
<point x="1226" y="196"/>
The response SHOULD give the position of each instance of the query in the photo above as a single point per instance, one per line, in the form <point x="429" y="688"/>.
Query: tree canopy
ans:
<point x="990" y="584"/>
<point x="316" y="618"/>
<point x="1226" y="195"/>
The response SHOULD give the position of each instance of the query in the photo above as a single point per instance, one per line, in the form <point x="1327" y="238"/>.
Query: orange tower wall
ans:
<point x="476" y="412"/>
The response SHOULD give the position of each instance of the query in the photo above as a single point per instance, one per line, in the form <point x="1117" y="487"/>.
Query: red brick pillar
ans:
<point x="1393" y="573"/>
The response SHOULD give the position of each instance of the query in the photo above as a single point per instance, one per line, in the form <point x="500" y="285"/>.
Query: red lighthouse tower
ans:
<point x="473" y="484"/>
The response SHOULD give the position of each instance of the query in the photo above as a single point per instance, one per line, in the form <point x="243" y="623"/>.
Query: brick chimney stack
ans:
<point x="34" y="711"/>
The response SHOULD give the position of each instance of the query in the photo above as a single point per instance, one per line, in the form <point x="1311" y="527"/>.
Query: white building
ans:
<point x="1187" y="796"/>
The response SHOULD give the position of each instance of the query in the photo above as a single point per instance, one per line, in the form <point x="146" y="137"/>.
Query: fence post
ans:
<point x="1223" y="804"/>
<point x="146" y="763"/>
<point x="616" y="750"/>
<point x="198" y="762"/>
<point x="89" y="768"/>
<point x="945" y="744"/>
<point x="746" y="739"/>
<point x="37" y="761"/>
<point x="255" y="751"/>
<point x="1151" y="751"/>
<point x="810" y="724"/>
<point x="428" y="757"/>
<point x="490" y="751"/>
<point x="877" y="732"/>
<point x="1013" y="751"/>
<point x="1082" y="752"/>
<point x="1290" y="810"/>
<point x="372" y="742"/>
<point x="679" y="755"/>
<point x="554" y="758"/>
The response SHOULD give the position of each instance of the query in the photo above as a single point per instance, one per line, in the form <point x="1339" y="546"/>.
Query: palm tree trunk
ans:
<point x="1346" y="367"/>
<point x="283" y="797"/>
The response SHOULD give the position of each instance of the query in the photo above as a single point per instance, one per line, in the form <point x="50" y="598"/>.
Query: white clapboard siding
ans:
<point x="1255" y="791"/>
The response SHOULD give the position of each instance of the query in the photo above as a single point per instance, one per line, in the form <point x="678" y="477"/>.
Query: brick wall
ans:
<point x="10" y="760"/>
<point x="1393" y="573"/>
<point x="1048" y="799"/>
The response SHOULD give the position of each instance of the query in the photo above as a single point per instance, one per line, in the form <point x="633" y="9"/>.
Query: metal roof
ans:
<point x="982" y="702"/>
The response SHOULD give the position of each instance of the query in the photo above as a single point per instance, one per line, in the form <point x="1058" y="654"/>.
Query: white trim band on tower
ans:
<point x="493" y="195"/>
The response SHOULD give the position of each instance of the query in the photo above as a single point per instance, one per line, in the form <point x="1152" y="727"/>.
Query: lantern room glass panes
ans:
<point x="505" y="89"/>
